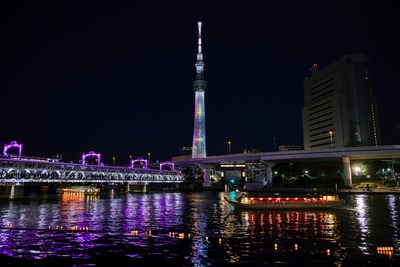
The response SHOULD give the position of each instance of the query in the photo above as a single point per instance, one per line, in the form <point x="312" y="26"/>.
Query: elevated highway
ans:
<point x="346" y="155"/>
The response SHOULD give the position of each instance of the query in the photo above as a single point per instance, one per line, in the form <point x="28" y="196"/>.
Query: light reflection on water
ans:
<point x="162" y="223"/>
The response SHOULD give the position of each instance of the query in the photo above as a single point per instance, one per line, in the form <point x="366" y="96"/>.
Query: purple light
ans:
<point x="13" y="144"/>
<point x="92" y="154"/>
<point x="167" y="164"/>
<point x="140" y="160"/>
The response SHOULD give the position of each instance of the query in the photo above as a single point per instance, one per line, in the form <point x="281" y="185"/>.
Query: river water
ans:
<point x="196" y="229"/>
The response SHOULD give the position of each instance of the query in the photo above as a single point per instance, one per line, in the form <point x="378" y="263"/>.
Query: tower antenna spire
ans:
<point x="199" y="24"/>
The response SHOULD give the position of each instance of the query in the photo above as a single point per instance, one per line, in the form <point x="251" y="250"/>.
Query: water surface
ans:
<point x="196" y="229"/>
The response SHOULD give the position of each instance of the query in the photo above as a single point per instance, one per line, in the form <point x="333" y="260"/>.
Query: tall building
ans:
<point x="340" y="109"/>
<point x="199" y="86"/>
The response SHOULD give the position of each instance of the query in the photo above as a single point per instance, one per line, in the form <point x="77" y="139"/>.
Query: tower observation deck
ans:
<point x="199" y="86"/>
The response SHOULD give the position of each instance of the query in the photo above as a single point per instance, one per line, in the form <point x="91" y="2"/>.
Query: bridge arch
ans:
<point x="44" y="174"/>
<point x="80" y="175"/>
<point x="55" y="175"/>
<point x="70" y="175"/>
<point x="13" y="144"/>
<point x="144" y="163"/>
<point x="12" y="173"/>
<point x="91" y="154"/>
<point x="169" y="165"/>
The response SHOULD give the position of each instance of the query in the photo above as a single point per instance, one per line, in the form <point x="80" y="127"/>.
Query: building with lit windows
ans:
<point x="340" y="109"/>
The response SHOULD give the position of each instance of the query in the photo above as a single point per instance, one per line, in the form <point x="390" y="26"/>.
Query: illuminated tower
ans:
<point x="199" y="86"/>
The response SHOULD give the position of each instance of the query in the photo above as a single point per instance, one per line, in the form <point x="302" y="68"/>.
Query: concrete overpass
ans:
<point x="346" y="155"/>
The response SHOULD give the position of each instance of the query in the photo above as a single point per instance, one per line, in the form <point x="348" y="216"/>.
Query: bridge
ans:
<point x="15" y="171"/>
<point x="23" y="171"/>
<point x="268" y="159"/>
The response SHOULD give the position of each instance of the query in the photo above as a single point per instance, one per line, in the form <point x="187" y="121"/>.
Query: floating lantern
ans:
<point x="134" y="232"/>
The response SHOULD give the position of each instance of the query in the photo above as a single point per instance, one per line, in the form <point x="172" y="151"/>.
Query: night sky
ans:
<point x="115" y="77"/>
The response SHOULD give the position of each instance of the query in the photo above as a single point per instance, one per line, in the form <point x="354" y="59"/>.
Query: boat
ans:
<point x="86" y="190"/>
<point x="287" y="202"/>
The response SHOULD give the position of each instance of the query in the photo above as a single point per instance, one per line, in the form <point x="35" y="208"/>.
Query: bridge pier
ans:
<point x="347" y="171"/>
<point x="206" y="171"/>
<point x="207" y="180"/>
<point x="11" y="191"/>
<point x="138" y="188"/>
<point x="268" y="172"/>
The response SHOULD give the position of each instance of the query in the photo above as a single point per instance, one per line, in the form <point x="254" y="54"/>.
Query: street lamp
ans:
<point x="113" y="161"/>
<point x="330" y="134"/>
<point x="229" y="146"/>
<point x="149" y="155"/>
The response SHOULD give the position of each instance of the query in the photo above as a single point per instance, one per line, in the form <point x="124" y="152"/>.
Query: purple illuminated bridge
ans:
<point x="17" y="169"/>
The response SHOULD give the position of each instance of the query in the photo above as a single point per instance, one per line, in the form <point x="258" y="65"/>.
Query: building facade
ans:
<point x="340" y="109"/>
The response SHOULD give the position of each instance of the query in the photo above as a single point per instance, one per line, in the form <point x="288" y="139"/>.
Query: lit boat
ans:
<point x="287" y="202"/>
<point x="86" y="190"/>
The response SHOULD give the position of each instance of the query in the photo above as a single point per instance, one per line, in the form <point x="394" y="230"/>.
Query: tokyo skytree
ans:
<point x="199" y="86"/>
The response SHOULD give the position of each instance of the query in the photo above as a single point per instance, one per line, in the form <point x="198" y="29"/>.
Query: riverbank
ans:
<point x="380" y="191"/>
<point x="305" y="190"/>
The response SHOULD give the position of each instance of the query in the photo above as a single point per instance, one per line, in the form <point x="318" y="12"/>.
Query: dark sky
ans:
<point x="115" y="77"/>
